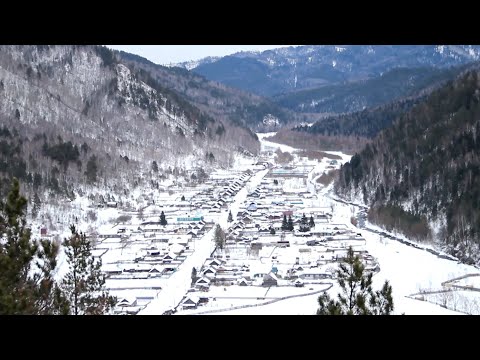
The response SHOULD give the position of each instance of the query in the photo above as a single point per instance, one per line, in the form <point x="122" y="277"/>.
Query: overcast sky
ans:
<point x="166" y="54"/>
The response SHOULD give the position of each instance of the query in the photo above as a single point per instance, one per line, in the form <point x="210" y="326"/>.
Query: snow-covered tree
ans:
<point x="219" y="237"/>
<point x="84" y="283"/>
<point x="26" y="267"/>
<point x="163" y="220"/>
<point x="357" y="297"/>
<point x="285" y="223"/>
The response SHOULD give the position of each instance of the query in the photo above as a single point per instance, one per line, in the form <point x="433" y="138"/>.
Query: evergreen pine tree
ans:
<point x="230" y="216"/>
<point x="91" y="171"/>
<point x="154" y="166"/>
<point x="20" y="291"/>
<point x="357" y="297"/>
<point x="37" y="181"/>
<point x="84" y="283"/>
<point x="290" y="224"/>
<point x="163" y="220"/>
<point x="219" y="237"/>
<point x="284" y="223"/>
<point x="304" y="224"/>
<point x="311" y="223"/>
<point x="194" y="275"/>
<point x="183" y="198"/>
<point x="51" y="300"/>
<point x="36" y="205"/>
<point x="304" y="220"/>
<point x="272" y="231"/>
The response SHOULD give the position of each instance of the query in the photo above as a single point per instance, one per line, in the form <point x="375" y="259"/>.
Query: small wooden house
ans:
<point x="190" y="302"/>
<point x="270" y="280"/>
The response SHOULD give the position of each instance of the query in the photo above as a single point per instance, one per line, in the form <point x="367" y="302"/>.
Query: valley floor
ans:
<point x="149" y="266"/>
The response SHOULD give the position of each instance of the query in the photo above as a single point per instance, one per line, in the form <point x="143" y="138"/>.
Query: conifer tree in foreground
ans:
<point x="26" y="266"/>
<point x="357" y="297"/>
<point x="84" y="282"/>
<point x="230" y="216"/>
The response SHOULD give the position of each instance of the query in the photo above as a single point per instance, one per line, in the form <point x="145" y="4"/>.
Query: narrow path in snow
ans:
<point x="265" y="303"/>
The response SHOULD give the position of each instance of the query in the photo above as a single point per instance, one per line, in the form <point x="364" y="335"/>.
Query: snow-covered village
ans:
<point x="263" y="267"/>
<point x="256" y="180"/>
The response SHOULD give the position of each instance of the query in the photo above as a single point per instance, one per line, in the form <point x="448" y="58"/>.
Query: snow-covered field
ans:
<point x="259" y="300"/>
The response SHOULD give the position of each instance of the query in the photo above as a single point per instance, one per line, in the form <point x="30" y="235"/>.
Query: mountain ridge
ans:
<point x="291" y="68"/>
<point x="220" y="101"/>
<point x="62" y="97"/>
<point x="421" y="175"/>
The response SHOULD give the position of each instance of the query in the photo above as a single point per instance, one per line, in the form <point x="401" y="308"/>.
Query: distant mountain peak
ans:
<point x="192" y="64"/>
<point x="318" y="65"/>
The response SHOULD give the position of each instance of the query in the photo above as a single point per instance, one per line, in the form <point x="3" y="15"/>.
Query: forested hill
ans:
<point x="422" y="175"/>
<point x="218" y="100"/>
<point x="355" y="96"/>
<point x="367" y="123"/>
<point x="75" y="118"/>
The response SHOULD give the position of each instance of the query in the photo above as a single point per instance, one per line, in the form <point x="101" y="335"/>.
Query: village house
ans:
<point x="314" y="274"/>
<point x="127" y="301"/>
<point x="270" y="279"/>
<point x="209" y="272"/>
<point x="190" y="302"/>
<point x="243" y="282"/>
<point x="203" y="281"/>
<point x="214" y="262"/>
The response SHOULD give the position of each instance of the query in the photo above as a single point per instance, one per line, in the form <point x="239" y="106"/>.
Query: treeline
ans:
<point x="354" y="96"/>
<point x="428" y="163"/>
<point x="63" y="152"/>
<point x="393" y="217"/>
<point x="314" y="142"/>
<point x="367" y="123"/>
<point x="26" y="160"/>
<point x="252" y="115"/>
<point x="11" y="159"/>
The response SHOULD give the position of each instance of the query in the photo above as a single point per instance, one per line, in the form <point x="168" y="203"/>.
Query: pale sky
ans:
<point x="167" y="54"/>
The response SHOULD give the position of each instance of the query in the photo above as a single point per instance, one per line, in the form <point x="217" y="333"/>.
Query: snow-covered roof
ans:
<point x="176" y="248"/>
<point x="156" y="268"/>
<point x="128" y="300"/>
<point x="209" y="269"/>
<point x="191" y="298"/>
<point x="203" y="280"/>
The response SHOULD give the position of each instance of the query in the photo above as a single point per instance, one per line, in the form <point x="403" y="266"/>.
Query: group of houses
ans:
<point x="150" y="249"/>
